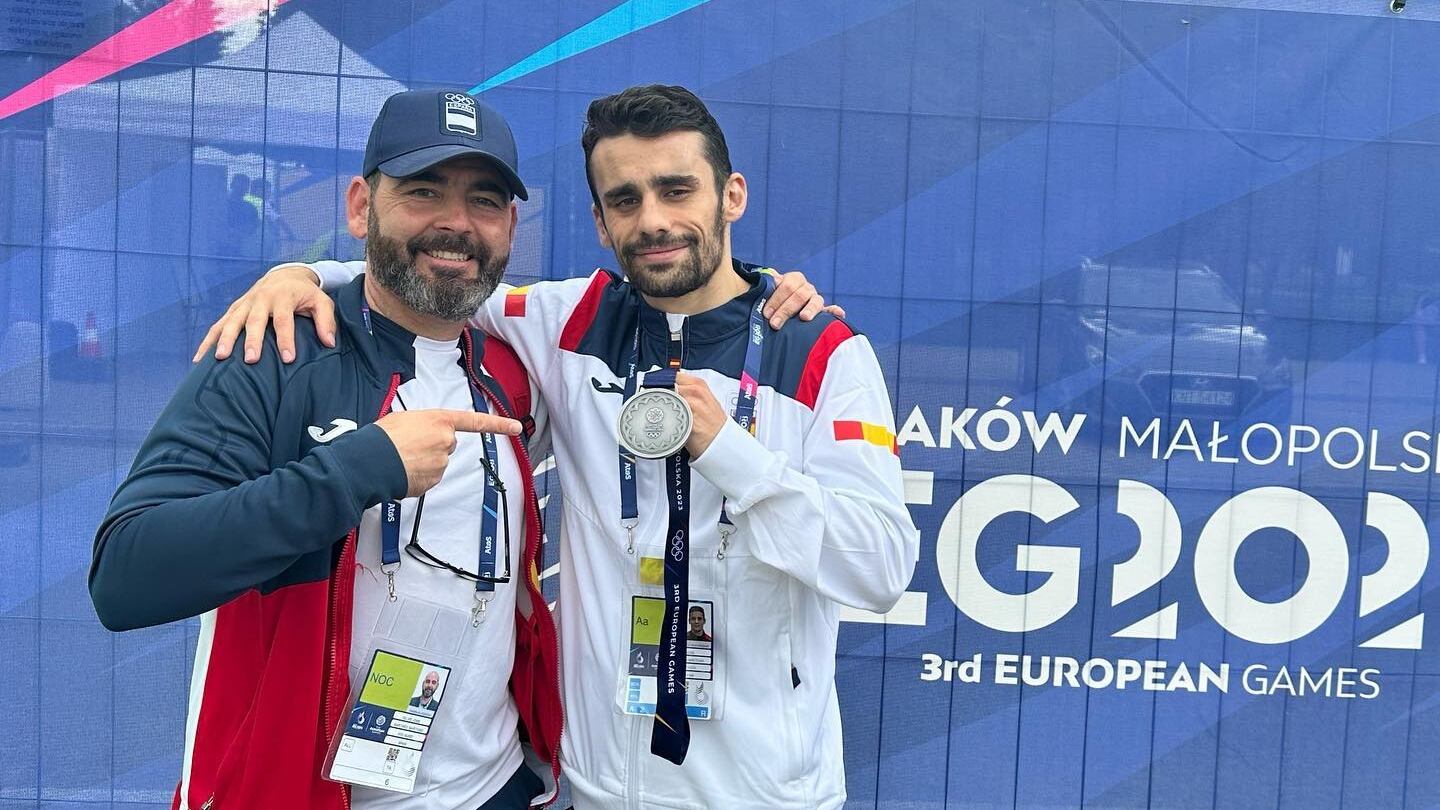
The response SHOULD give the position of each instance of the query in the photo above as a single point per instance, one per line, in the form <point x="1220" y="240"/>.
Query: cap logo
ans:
<point x="460" y="114"/>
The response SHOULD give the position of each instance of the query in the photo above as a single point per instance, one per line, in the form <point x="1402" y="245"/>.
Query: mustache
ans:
<point x="665" y="242"/>
<point x="453" y="242"/>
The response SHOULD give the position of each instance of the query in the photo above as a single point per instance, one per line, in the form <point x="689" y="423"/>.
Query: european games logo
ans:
<point x="460" y="114"/>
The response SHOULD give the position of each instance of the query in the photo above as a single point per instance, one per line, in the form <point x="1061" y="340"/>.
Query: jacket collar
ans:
<point x="713" y="325"/>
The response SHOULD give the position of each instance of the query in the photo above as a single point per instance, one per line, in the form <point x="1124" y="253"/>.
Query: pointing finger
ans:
<point x="472" y="422"/>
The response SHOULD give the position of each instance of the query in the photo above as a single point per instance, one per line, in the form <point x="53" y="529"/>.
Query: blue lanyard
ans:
<point x="391" y="511"/>
<point x="744" y="414"/>
<point x="489" y="519"/>
<point x="489" y="516"/>
<point x="629" y="512"/>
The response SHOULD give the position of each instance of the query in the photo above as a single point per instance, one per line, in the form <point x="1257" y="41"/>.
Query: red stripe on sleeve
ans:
<point x="584" y="313"/>
<point x="848" y="430"/>
<point x="814" y="374"/>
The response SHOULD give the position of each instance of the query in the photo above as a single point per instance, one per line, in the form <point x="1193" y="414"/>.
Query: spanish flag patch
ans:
<point x="515" y="302"/>
<point x="866" y="432"/>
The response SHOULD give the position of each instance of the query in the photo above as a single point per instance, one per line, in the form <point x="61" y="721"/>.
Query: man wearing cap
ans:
<point x="359" y="514"/>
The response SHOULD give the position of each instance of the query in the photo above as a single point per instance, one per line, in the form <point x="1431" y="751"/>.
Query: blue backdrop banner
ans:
<point x="1155" y="286"/>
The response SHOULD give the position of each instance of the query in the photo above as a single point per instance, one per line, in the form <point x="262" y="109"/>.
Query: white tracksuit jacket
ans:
<point x="817" y="502"/>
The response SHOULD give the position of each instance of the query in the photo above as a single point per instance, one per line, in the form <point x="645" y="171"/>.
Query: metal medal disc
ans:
<point x="655" y="423"/>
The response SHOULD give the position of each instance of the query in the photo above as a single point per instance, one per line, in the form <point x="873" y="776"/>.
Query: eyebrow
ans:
<point x="490" y="186"/>
<point x="674" y="180"/>
<point x="422" y="177"/>
<point x="624" y="190"/>
<point x="661" y="181"/>
<point x="435" y="178"/>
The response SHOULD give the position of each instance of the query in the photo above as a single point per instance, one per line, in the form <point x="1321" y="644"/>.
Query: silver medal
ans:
<point x="655" y="423"/>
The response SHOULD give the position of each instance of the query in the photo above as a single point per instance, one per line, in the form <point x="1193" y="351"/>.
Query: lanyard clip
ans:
<point x="629" y="525"/>
<point x="477" y="613"/>
<point x="389" y="569"/>
<point x="726" y="530"/>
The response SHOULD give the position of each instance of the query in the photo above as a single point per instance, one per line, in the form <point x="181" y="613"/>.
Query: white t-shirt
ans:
<point x="464" y="767"/>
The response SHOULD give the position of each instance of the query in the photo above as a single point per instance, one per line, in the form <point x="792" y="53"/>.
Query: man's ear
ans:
<point x="736" y="195"/>
<point x="514" y="219"/>
<point x="600" y="229"/>
<point x="357" y="207"/>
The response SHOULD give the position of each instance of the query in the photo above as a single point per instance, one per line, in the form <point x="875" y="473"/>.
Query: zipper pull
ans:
<point x="677" y="347"/>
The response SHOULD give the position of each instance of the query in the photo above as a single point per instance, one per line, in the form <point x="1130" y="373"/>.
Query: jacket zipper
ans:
<point x="347" y="560"/>
<point x="532" y="525"/>
<point x="346" y="563"/>
<point x="632" y="768"/>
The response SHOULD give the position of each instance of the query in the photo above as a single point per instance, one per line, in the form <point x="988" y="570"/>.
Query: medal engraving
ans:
<point x="655" y="423"/>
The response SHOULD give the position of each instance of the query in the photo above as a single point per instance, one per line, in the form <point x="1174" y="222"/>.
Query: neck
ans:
<point x="724" y="284"/>
<point x="384" y="302"/>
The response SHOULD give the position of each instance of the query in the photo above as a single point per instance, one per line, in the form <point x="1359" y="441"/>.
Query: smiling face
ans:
<point x="661" y="211"/>
<point x="438" y="240"/>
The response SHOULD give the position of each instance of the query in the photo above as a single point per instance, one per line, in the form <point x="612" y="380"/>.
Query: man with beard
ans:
<point x="274" y="499"/>
<point x="425" y="701"/>
<point x="797" y="507"/>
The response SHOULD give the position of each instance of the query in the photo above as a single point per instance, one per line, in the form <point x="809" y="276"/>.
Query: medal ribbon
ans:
<point x="670" y="737"/>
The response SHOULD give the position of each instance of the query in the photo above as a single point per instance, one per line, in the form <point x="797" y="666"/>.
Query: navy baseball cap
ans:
<point x="417" y="129"/>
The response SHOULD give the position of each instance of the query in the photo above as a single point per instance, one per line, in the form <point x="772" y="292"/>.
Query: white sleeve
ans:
<point x="836" y="519"/>
<point x="334" y="274"/>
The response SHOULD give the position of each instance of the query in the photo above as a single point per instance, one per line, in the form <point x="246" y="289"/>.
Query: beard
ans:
<point x="446" y="296"/>
<point x="680" y="277"/>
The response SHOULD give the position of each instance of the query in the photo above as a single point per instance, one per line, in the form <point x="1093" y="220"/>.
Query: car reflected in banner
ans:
<point x="1172" y="344"/>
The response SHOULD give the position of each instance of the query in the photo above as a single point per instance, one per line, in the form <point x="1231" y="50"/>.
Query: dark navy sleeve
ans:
<point x="205" y="514"/>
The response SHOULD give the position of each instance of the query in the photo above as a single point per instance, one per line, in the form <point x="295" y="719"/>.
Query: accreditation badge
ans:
<point x="397" y="697"/>
<point x="703" y="634"/>
<point x="704" y="685"/>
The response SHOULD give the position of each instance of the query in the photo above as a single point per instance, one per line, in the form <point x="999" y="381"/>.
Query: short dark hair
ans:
<point x="649" y="111"/>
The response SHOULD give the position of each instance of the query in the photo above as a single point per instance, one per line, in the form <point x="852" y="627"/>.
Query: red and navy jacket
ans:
<point x="242" y="508"/>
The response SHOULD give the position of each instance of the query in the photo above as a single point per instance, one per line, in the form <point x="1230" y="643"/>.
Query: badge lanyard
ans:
<point x="390" y="513"/>
<point x="670" y="737"/>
